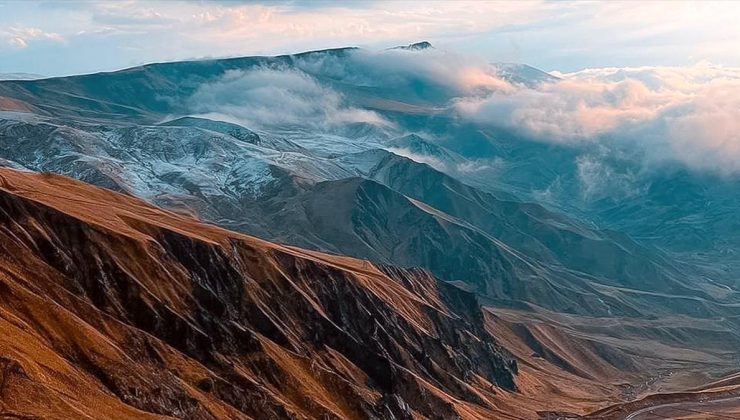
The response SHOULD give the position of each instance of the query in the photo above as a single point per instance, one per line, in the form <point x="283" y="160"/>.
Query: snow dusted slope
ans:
<point x="156" y="161"/>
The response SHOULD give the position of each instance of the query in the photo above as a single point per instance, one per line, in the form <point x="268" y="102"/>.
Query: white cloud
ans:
<point x="418" y="158"/>
<point x="543" y="33"/>
<point x="438" y="71"/>
<point x="269" y="97"/>
<point x="264" y="97"/>
<point x="20" y="37"/>
<point x="281" y="24"/>
<point x="685" y="114"/>
<point x="17" y="42"/>
<point x="689" y="114"/>
<point x="598" y="179"/>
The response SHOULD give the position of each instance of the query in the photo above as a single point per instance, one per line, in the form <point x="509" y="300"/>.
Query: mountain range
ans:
<point x="415" y="266"/>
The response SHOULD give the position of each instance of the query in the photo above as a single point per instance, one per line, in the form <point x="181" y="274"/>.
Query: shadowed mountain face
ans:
<point x="339" y="151"/>
<point x="112" y="304"/>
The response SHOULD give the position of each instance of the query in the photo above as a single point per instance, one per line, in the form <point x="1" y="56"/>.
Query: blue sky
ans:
<point x="68" y="37"/>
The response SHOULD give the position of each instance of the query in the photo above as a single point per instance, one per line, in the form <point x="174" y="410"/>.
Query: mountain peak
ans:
<point x="523" y="74"/>
<point x="417" y="46"/>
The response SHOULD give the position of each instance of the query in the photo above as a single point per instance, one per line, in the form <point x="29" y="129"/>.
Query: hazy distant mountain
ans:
<point x="20" y="76"/>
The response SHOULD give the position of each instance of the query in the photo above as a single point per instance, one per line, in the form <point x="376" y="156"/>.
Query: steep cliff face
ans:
<point x="108" y="304"/>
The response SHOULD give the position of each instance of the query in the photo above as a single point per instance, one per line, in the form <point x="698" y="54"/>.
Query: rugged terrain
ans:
<point x="111" y="304"/>
<point x="598" y="299"/>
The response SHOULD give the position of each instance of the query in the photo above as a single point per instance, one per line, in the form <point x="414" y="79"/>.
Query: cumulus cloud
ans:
<point x="705" y="132"/>
<point x="19" y="37"/>
<point x="278" y="97"/>
<point x="690" y="114"/>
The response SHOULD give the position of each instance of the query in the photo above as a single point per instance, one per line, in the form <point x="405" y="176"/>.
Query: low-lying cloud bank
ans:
<point x="689" y="114"/>
<point x="299" y="95"/>
<point x="665" y="114"/>
<point x="277" y="97"/>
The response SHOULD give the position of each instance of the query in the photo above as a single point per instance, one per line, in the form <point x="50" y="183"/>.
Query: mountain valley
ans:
<point x="321" y="235"/>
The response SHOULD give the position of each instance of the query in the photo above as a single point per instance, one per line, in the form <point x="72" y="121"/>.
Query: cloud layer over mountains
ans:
<point x="267" y="97"/>
<point x="689" y="115"/>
